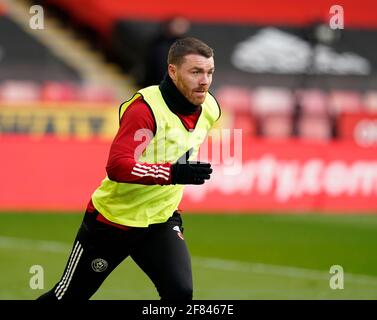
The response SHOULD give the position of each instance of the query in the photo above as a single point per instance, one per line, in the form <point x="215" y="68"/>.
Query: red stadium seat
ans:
<point x="234" y="98"/>
<point x="246" y="122"/>
<point x="276" y="125"/>
<point x="313" y="101"/>
<point x="20" y="91"/>
<point x="56" y="91"/>
<point x="344" y="101"/>
<point x="314" y="127"/>
<point x="95" y="93"/>
<point x="370" y="101"/>
<point x="266" y="100"/>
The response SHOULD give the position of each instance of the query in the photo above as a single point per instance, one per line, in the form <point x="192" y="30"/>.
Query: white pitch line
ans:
<point x="205" y="262"/>
<point x="285" y="271"/>
<point x="30" y="244"/>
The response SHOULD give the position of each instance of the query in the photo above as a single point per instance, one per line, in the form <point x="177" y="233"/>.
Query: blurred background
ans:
<point x="303" y="92"/>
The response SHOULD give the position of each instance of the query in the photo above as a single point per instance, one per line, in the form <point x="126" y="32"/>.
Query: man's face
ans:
<point x="193" y="77"/>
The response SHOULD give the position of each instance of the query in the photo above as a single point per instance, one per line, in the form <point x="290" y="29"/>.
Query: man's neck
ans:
<point x="174" y="99"/>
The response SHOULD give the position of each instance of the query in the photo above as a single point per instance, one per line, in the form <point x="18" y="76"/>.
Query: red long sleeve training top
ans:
<point x="121" y="165"/>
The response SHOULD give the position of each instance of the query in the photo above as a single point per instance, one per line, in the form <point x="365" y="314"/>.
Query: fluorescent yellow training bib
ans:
<point x="139" y="205"/>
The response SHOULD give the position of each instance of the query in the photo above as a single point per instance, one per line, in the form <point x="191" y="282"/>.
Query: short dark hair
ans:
<point x="184" y="46"/>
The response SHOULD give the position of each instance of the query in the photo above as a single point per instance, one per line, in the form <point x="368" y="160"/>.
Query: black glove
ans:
<point x="190" y="172"/>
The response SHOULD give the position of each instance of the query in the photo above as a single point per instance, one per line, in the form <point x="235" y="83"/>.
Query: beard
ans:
<point x="191" y="95"/>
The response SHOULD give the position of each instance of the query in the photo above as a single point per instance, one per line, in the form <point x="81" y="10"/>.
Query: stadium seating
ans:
<point x="272" y="112"/>
<point x="58" y="91"/>
<point x="314" y="120"/>
<point x="370" y="101"/>
<point x="19" y="91"/>
<point x="314" y="127"/>
<point x="312" y="102"/>
<point x="236" y="98"/>
<point x="249" y="101"/>
<point x="246" y="122"/>
<point x="273" y="108"/>
<point x="264" y="111"/>
<point x="53" y="91"/>
<point x="276" y="125"/>
<point x="344" y="101"/>
<point x="272" y="100"/>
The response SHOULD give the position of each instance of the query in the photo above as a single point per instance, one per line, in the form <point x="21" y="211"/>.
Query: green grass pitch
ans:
<point x="245" y="257"/>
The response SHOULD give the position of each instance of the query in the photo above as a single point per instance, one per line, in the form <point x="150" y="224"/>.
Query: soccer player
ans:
<point x="134" y="212"/>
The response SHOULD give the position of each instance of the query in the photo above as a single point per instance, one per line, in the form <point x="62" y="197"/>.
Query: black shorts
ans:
<point x="159" y="250"/>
